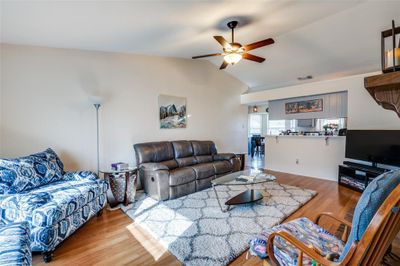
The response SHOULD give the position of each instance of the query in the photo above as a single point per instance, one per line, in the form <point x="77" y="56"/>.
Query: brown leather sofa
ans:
<point x="169" y="170"/>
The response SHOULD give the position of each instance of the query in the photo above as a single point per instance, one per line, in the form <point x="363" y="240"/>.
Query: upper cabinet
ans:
<point x="331" y="105"/>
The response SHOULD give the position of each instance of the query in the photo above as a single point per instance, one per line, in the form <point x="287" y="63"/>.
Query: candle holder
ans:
<point x="390" y="57"/>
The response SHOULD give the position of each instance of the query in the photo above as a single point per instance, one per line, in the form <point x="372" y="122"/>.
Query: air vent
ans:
<point x="305" y="77"/>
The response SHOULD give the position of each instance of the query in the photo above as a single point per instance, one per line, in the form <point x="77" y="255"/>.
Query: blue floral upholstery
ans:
<point x="368" y="204"/>
<point x="15" y="247"/>
<point x="80" y="175"/>
<point x="305" y="231"/>
<point x="54" y="207"/>
<point x="26" y="173"/>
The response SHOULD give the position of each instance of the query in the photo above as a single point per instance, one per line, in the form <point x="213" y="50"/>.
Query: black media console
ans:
<point x="357" y="176"/>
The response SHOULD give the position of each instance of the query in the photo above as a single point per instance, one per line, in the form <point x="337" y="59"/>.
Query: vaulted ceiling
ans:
<point x="324" y="39"/>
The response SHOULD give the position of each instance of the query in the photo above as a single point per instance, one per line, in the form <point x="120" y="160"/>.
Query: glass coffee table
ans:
<point x="246" y="177"/>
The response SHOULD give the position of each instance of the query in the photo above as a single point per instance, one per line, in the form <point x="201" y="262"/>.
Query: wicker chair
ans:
<point x="376" y="223"/>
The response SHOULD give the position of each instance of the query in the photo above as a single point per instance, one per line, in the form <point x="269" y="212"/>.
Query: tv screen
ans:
<point x="377" y="146"/>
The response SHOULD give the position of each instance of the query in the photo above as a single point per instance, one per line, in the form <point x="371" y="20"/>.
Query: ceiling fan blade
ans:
<point x="224" y="65"/>
<point x="223" y="42"/>
<point x="206" y="55"/>
<point x="259" y="44"/>
<point x="253" y="58"/>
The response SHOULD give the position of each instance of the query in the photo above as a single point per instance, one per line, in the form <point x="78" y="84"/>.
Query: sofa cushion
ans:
<point x="203" y="170"/>
<point x="223" y="156"/>
<point x="204" y="158"/>
<point x="181" y="176"/>
<point x="222" y="167"/>
<point x="370" y="201"/>
<point x="182" y="148"/>
<point x="29" y="172"/>
<point x="203" y="183"/>
<point x="203" y="147"/>
<point x="182" y="190"/>
<point x="47" y="205"/>
<point x="79" y="175"/>
<point x="187" y="161"/>
<point x="15" y="248"/>
<point x="171" y="164"/>
<point x="153" y="152"/>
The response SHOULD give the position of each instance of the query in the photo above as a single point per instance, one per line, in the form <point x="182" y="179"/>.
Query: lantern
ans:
<point x="390" y="57"/>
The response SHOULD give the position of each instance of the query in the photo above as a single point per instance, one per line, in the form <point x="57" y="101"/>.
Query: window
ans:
<point x="276" y="126"/>
<point x="255" y="124"/>
<point x="341" y="122"/>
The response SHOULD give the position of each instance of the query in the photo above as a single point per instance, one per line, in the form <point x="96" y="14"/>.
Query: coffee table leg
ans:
<point x="219" y="203"/>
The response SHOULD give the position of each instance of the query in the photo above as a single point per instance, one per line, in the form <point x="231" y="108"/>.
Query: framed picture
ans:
<point x="172" y="111"/>
<point x="304" y="106"/>
<point x="292" y="108"/>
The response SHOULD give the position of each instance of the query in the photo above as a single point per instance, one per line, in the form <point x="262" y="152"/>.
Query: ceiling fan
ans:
<point x="234" y="51"/>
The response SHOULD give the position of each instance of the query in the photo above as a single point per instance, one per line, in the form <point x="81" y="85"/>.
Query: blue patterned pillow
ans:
<point x="26" y="173"/>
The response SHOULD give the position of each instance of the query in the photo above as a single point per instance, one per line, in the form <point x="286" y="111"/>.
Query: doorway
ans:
<point x="257" y="129"/>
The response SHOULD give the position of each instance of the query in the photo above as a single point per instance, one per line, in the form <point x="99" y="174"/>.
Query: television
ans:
<point x="376" y="146"/>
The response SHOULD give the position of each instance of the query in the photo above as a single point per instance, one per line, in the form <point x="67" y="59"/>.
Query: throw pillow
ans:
<point x="25" y="173"/>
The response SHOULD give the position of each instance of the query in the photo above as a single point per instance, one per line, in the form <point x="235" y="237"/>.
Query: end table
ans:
<point x="242" y="158"/>
<point x="109" y="174"/>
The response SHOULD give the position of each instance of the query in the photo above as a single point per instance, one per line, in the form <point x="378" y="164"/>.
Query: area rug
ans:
<point x="195" y="230"/>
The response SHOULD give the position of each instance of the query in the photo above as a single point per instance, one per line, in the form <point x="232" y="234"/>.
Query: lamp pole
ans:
<point x="97" y="106"/>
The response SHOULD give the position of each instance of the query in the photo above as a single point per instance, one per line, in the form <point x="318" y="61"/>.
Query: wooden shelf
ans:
<point x="385" y="89"/>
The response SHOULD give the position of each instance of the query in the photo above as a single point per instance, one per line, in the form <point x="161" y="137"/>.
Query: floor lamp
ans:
<point x="97" y="103"/>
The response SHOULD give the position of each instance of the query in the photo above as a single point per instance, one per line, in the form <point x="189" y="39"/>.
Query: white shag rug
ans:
<point x="195" y="230"/>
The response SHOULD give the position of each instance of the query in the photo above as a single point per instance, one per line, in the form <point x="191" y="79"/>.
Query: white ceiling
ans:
<point x="322" y="38"/>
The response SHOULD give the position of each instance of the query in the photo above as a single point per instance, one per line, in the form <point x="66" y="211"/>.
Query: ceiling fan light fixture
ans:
<point x="232" y="58"/>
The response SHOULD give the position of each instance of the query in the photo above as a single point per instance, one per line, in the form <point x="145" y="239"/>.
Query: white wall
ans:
<point x="309" y="156"/>
<point x="316" y="160"/>
<point x="45" y="103"/>
<point x="363" y="111"/>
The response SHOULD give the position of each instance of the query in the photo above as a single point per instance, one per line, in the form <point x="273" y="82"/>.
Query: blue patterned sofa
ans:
<point x="55" y="203"/>
<point x="15" y="249"/>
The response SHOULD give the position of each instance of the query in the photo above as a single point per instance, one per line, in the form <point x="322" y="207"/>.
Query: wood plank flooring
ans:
<point x="114" y="239"/>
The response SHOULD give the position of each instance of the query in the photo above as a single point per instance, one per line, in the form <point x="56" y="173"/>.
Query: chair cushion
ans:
<point x="204" y="170"/>
<point x="29" y="172"/>
<point x="222" y="167"/>
<point x="47" y="205"/>
<point x="305" y="231"/>
<point x="181" y="176"/>
<point x="15" y="248"/>
<point x="368" y="204"/>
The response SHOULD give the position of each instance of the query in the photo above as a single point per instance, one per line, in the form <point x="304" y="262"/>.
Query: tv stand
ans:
<point x="357" y="176"/>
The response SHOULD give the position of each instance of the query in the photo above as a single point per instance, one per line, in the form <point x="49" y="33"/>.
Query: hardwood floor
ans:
<point x="113" y="238"/>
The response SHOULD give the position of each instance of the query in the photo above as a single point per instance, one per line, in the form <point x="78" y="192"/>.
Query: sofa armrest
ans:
<point x="79" y="175"/>
<point x="224" y="156"/>
<point x="15" y="244"/>
<point x="153" y="166"/>
<point x="155" y="180"/>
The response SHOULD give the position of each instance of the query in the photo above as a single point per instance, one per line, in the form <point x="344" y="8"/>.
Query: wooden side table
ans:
<point x="242" y="158"/>
<point x="109" y="174"/>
